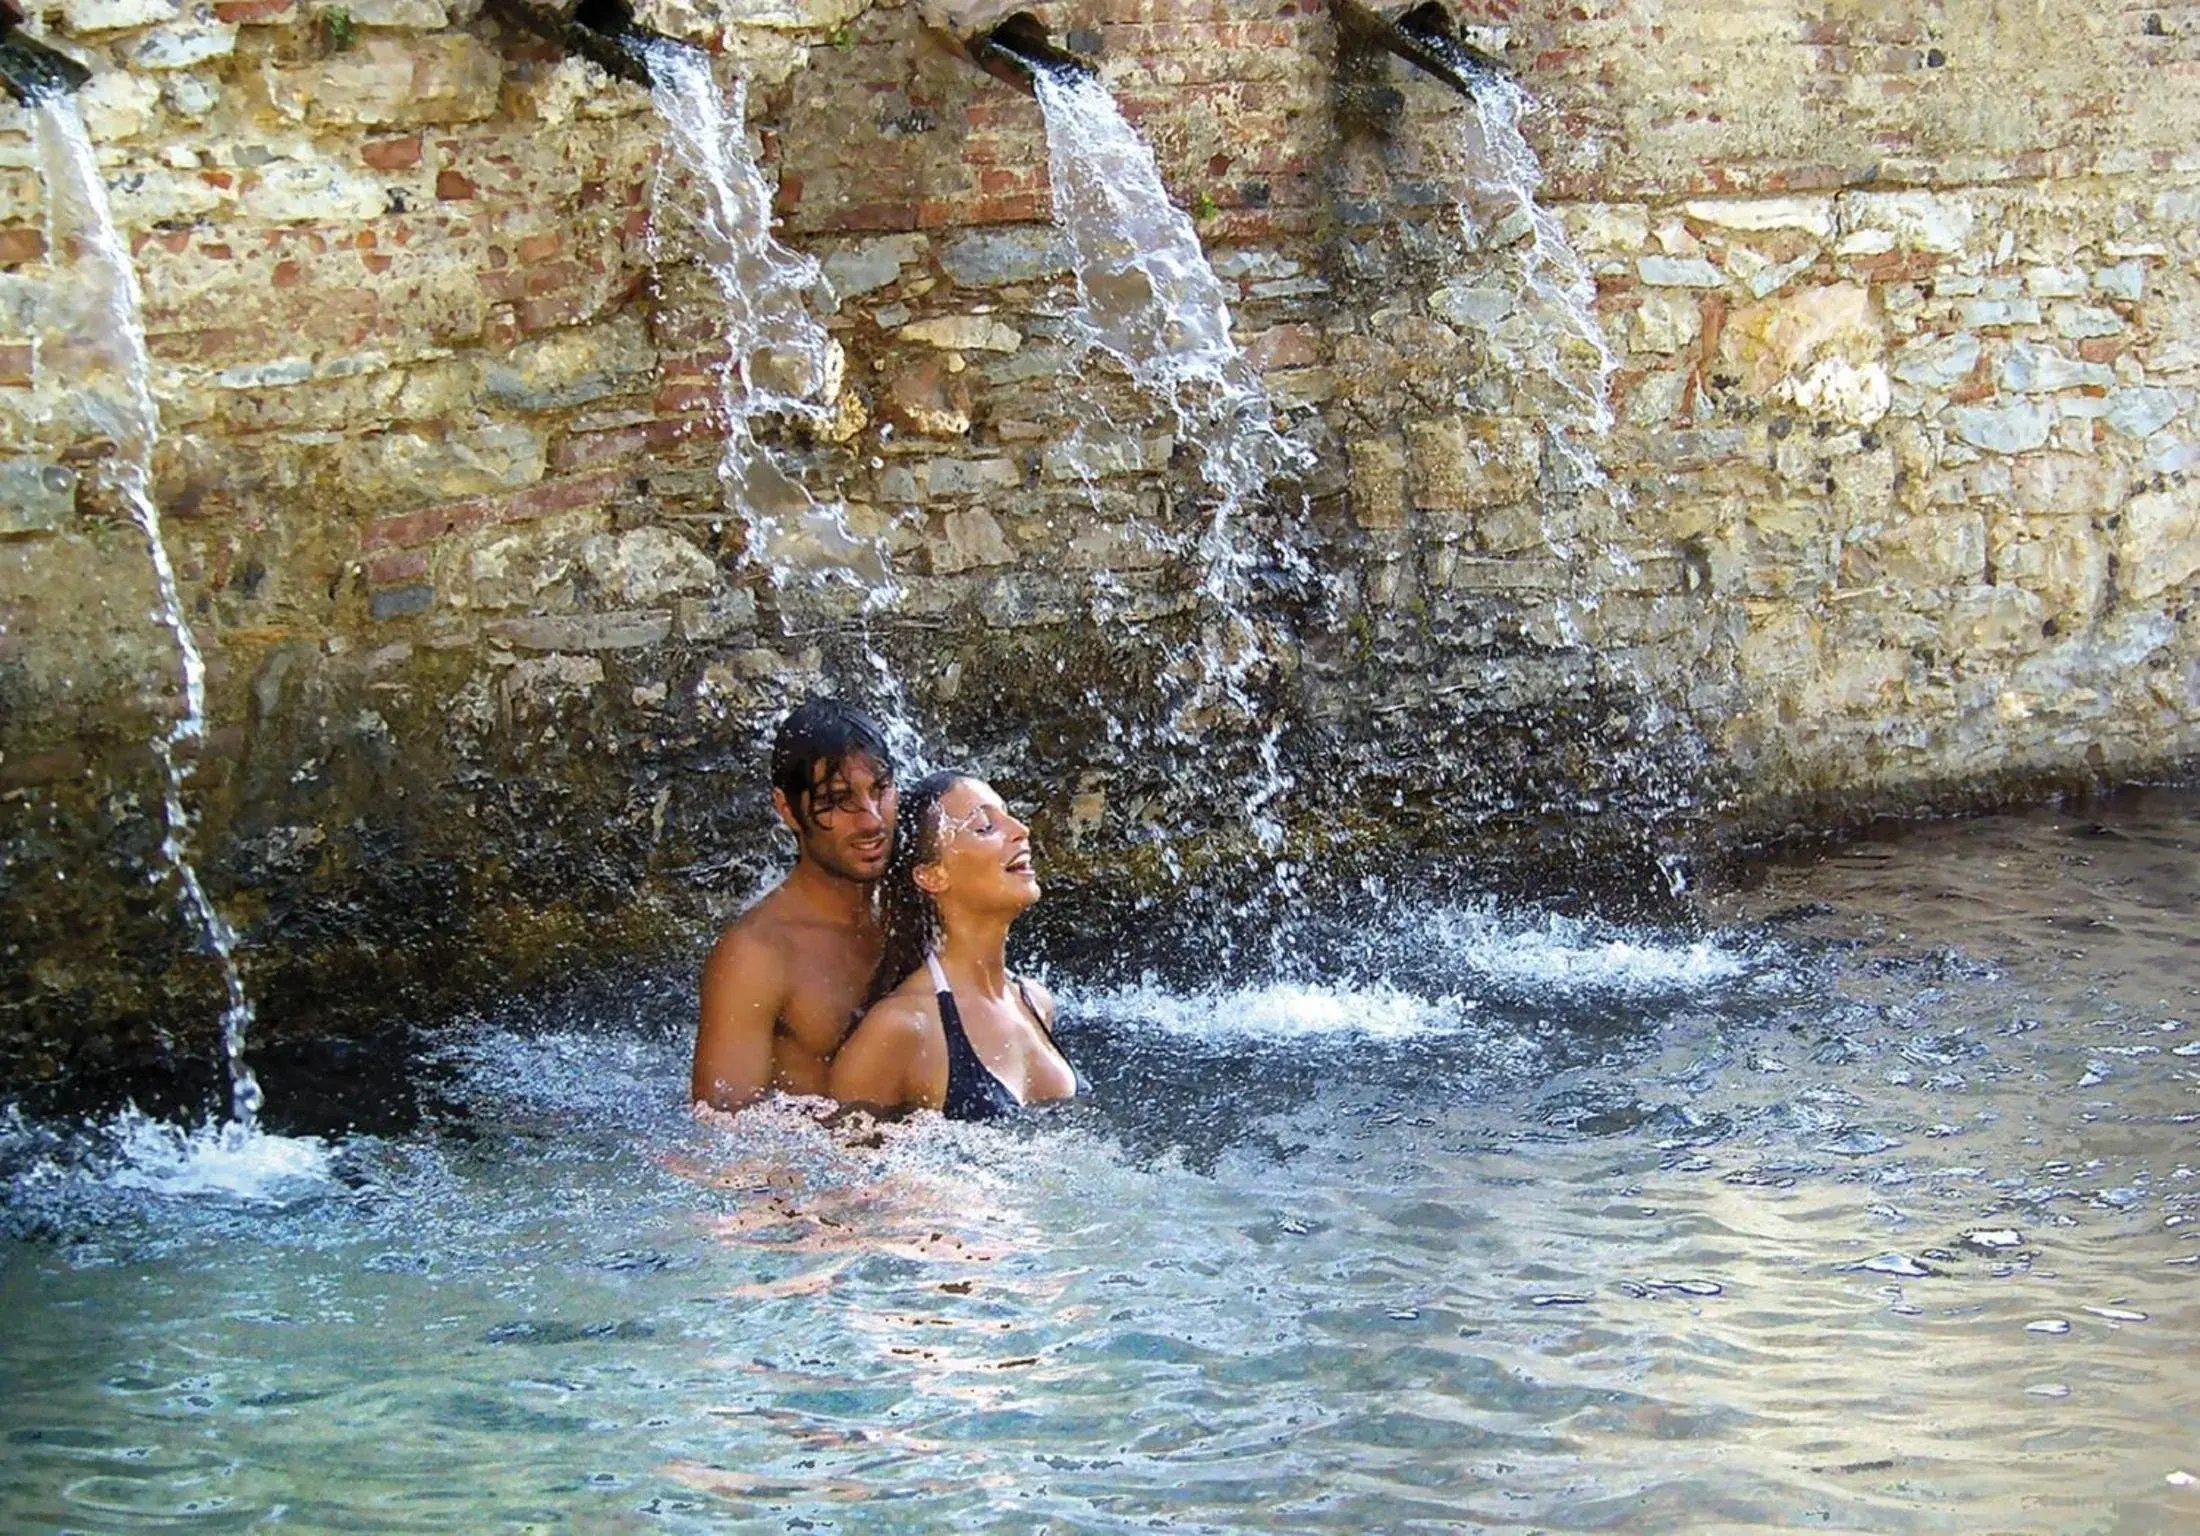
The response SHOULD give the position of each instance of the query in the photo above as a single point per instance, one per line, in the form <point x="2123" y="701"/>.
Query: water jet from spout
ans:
<point x="111" y="373"/>
<point x="1014" y="49"/>
<point x="780" y="363"/>
<point x="604" y="32"/>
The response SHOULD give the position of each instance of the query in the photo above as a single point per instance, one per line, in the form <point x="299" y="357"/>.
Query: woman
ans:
<point x="949" y="1028"/>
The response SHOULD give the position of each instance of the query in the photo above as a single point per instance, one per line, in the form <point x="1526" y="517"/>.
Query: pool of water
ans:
<point x="1874" y="1204"/>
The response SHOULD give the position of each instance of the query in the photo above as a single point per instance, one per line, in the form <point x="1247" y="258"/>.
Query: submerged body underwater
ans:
<point x="1871" y="1206"/>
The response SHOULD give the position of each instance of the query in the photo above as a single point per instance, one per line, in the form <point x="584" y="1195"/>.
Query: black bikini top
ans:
<point x="973" y="1092"/>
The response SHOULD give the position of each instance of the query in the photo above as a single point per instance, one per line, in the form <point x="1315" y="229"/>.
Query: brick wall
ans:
<point x="1898" y="505"/>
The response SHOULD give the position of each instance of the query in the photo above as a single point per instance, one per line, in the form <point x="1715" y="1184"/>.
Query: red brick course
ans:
<point x="406" y="530"/>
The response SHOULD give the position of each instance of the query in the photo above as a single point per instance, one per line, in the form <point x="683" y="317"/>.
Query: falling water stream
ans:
<point x="1533" y="300"/>
<point x="780" y="361"/>
<point x="1150" y="303"/>
<point x="1549" y="330"/>
<point x="103" y="352"/>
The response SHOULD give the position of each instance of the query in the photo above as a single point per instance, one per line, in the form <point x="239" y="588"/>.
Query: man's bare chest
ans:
<point x="827" y="981"/>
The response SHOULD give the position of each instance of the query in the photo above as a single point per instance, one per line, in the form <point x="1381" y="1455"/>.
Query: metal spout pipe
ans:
<point x="31" y="71"/>
<point x="1424" y="36"/>
<point x="1010" y="45"/>
<point x="604" y="32"/>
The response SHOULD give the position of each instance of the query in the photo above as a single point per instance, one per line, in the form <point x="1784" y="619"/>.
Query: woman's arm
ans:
<point x="882" y="1061"/>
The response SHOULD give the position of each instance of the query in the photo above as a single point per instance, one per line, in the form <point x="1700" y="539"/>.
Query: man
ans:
<point x="787" y="980"/>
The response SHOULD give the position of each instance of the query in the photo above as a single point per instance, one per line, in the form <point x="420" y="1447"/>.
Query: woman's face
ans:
<point x="984" y="856"/>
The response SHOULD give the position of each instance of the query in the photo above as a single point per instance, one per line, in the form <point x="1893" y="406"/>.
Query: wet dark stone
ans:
<point x="400" y="602"/>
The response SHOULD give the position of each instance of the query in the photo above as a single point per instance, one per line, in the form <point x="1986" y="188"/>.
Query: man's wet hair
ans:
<point x="815" y="742"/>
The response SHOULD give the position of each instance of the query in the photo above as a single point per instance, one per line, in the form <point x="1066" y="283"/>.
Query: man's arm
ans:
<point x="744" y="989"/>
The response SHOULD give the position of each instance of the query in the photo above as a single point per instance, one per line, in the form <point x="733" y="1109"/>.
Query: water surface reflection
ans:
<point x="1874" y="1209"/>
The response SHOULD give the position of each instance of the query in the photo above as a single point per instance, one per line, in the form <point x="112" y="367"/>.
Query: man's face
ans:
<point x="847" y="825"/>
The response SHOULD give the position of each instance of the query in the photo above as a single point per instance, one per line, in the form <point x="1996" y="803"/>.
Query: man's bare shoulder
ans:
<point x="767" y="925"/>
<point x="754" y="946"/>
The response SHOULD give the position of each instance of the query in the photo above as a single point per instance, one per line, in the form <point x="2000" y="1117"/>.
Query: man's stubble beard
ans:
<point x="836" y="865"/>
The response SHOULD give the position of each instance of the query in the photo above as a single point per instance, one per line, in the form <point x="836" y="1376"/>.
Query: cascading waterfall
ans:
<point x="1147" y="297"/>
<point x="1547" y="334"/>
<point x="102" y="347"/>
<point x="1149" y="300"/>
<point x="1551" y="332"/>
<point x="779" y="359"/>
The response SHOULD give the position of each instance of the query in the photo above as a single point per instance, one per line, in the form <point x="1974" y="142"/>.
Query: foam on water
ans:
<point x="133" y="1151"/>
<point x="1554" y="955"/>
<point x="1278" y="1011"/>
<point x="1455" y="958"/>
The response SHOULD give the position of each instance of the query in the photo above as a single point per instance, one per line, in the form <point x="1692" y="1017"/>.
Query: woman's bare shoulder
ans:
<point x="907" y="1010"/>
<point x="889" y="1056"/>
<point x="1042" y="999"/>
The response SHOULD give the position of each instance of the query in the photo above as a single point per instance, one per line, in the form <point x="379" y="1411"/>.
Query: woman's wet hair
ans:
<point x="908" y="915"/>
<point x="815" y="742"/>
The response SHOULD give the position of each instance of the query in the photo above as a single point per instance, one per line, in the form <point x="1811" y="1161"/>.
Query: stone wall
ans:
<point x="1898" y="504"/>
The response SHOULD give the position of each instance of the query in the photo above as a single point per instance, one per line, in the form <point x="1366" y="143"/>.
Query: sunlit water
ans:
<point x="1871" y="1207"/>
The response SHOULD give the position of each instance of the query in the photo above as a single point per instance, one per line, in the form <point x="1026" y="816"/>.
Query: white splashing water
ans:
<point x="1481" y="951"/>
<point x="225" y="1161"/>
<point x="1549" y="954"/>
<point x="1552" y="333"/>
<point x="779" y="359"/>
<point x="1279" y="1011"/>
<point x="101" y="352"/>
<point x="1148" y="299"/>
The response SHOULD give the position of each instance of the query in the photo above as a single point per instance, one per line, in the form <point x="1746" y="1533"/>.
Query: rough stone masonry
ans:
<point x="1898" y="509"/>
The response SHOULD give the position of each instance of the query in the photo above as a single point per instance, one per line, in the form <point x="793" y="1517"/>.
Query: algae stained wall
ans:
<point x="1897" y="503"/>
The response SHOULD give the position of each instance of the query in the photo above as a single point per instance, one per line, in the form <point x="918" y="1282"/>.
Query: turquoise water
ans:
<point x="1871" y="1206"/>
